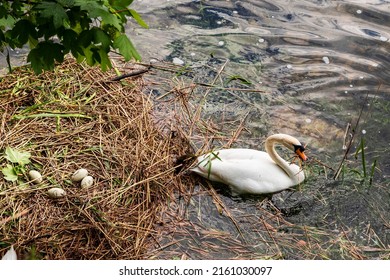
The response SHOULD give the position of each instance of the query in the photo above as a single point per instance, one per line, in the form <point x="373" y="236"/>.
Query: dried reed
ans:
<point x="71" y="118"/>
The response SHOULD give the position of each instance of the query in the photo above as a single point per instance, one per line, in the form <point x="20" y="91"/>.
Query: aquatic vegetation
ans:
<point x="367" y="172"/>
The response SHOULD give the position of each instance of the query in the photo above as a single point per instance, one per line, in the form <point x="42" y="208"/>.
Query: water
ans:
<point x="313" y="65"/>
<point x="320" y="57"/>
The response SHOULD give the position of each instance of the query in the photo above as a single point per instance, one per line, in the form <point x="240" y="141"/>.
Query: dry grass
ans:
<point x="72" y="118"/>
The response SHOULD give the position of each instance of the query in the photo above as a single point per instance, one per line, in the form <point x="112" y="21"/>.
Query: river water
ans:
<point x="314" y="67"/>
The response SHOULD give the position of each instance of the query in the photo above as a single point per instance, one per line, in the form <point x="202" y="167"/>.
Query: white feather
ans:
<point x="10" y="255"/>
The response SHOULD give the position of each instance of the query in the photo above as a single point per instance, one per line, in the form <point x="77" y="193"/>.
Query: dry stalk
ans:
<point x="129" y="157"/>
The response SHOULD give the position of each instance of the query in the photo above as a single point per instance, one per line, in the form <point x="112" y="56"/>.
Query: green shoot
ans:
<point x="361" y="149"/>
<point x="208" y="160"/>
<point x="373" y="166"/>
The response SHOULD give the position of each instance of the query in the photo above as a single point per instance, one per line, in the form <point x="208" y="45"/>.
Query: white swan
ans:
<point x="251" y="171"/>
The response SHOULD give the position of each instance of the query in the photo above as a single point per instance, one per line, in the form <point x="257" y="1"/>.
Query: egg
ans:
<point x="79" y="175"/>
<point x="87" y="182"/>
<point x="35" y="177"/>
<point x="56" y="192"/>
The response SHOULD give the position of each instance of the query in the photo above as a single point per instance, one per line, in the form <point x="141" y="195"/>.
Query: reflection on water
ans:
<point x="313" y="66"/>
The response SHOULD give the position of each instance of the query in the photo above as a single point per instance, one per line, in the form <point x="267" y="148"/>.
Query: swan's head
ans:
<point x="291" y="143"/>
<point x="298" y="150"/>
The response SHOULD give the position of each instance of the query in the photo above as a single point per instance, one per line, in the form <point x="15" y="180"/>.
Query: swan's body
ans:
<point x="251" y="171"/>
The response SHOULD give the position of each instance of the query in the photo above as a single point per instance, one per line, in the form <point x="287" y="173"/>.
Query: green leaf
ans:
<point x="32" y="42"/>
<point x="9" y="173"/>
<point x="126" y="48"/>
<point x="87" y="55"/>
<point x="69" y="37"/>
<point x="138" y="18"/>
<point x="53" y="10"/>
<point x="66" y="3"/>
<point x="108" y="18"/>
<point x="2" y="39"/>
<point x="21" y="32"/>
<point x="96" y="10"/>
<point x="239" y="78"/>
<point x="101" y="38"/>
<point x="97" y="36"/>
<point x="96" y="55"/>
<point x="45" y="55"/>
<point x="85" y="38"/>
<point x="36" y="61"/>
<point x="105" y="62"/>
<point x="16" y="156"/>
<point x="121" y="3"/>
<point x="3" y="12"/>
<point x="7" y="22"/>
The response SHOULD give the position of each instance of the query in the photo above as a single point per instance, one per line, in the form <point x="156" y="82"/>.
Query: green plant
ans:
<point x="207" y="161"/>
<point x="87" y="29"/>
<point x="239" y="78"/>
<point x="33" y="254"/>
<point x="16" y="167"/>
<point x="364" y="173"/>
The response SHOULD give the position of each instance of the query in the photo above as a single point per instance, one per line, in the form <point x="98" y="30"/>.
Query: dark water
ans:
<point x="314" y="67"/>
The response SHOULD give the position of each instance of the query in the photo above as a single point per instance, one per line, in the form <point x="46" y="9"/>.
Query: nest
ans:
<point x="76" y="118"/>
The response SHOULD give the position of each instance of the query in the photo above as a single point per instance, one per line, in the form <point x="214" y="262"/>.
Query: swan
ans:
<point x="249" y="171"/>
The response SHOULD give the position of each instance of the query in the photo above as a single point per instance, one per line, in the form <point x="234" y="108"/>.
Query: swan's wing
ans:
<point x="238" y="154"/>
<point x="247" y="176"/>
<point x="214" y="164"/>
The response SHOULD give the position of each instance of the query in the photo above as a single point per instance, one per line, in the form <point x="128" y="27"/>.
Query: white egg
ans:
<point x="35" y="176"/>
<point x="87" y="182"/>
<point x="56" y="192"/>
<point x="79" y="175"/>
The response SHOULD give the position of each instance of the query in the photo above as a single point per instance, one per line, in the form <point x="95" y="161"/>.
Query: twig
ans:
<point x="238" y="131"/>
<point x="6" y="220"/>
<point x="321" y="163"/>
<point x="347" y="129"/>
<point x="348" y="147"/>
<point x="132" y="74"/>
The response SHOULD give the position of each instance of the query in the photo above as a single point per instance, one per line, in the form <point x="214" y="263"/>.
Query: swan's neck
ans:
<point x="270" y="148"/>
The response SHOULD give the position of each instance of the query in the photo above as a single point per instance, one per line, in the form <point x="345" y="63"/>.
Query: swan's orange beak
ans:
<point x="301" y="155"/>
